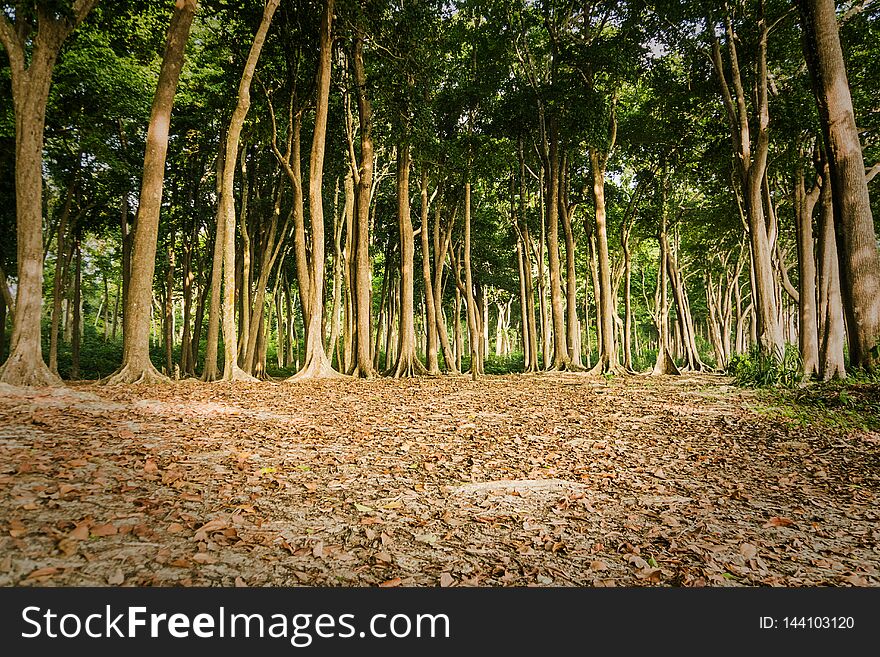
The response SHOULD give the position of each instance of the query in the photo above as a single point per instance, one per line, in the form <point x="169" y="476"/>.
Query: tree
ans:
<point x="856" y="240"/>
<point x="32" y="39"/>
<point x="316" y="364"/>
<point x="136" y="365"/>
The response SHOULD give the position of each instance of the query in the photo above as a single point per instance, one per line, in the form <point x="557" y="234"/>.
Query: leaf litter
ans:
<point x="535" y="480"/>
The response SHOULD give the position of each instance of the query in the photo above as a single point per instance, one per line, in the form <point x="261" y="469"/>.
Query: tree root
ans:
<point x="606" y="367"/>
<point x="235" y="373"/>
<point x="18" y="371"/>
<point x="317" y="367"/>
<point x="408" y="366"/>
<point x="665" y="365"/>
<point x="135" y="374"/>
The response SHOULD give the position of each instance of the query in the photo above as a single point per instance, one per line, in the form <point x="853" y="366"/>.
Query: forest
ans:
<point x="276" y="272"/>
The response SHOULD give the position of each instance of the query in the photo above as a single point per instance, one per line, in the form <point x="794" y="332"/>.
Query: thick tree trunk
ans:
<point x="856" y="241"/>
<point x="316" y="364"/>
<point x="31" y="76"/>
<point x="136" y="365"/>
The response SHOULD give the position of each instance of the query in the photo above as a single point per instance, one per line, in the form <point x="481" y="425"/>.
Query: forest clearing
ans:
<point x="547" y="480"/>
<point x="456" y="293"/>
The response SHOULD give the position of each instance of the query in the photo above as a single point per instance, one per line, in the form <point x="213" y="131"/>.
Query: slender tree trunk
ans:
<point x="573" y="327"/>
<point x="627" y="301"/>
<point x="808" y="322"/>
<point x="363" y="276"/>
<point x="64" y="253"/>
<point x="212" y="346"/>
<point x="856" y="241"/>
<point x="431" y="356"/>
<point x="474" y="332"/>
<point x="169" y="308"/>
<point x="316" y="364"/>
<point x="561" y="358"/>
<point x="243" y="283"/>
<point x="441" y="248"/>
<point x="407" y="364"/>
<point x="664" y="363"/>
<point x="76" y="338"/>
<point x="136" y="365"/>
<point x="231" y="370"/>
<point x="608" y="351"/>
<point x="833" y="332"/>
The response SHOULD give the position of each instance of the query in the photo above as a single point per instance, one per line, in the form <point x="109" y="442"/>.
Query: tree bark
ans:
<point x="833" y="332"/>
<point x="664" y="363"/>
<point x="561" y="360"/>
<point x="808" y="322"/>
<point x="31" y="77"/>
<point x="408" y="363"/>
<point x="136" y="365"/>
<point x="431" y="340"/>
<point x="231" y="370"/>
<point x="856" y="241"/>
<point x="316" y="364"/>
<point x="607" y="361"/>
<point x="474" y="331"/>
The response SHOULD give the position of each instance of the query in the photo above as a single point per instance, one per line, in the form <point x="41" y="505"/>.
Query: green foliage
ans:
<point x="757" y="370"/>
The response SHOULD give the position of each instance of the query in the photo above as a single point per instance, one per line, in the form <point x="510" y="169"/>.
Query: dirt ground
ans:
<point x="547" y="480"/>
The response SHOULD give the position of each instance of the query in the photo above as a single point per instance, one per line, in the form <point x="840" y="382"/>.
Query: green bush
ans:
<point x="757" y="370"/>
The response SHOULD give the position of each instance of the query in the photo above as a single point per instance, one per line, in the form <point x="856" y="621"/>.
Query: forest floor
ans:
<point x="548" y="480"/>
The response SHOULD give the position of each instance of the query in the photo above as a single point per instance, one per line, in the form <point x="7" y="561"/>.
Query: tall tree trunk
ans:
<point x="408" y="363"/>
<point x="607" y="361"/>
<point x="76" y="338"/>
<point x="627" y="300"/>
<point x="31" y="76"/>
<point x="441" y="248"/>
<point x="473" y="327"/>
<point x="808" y="322"/>
<point x="231" y="370"/>
<point x="751" y="161"/>
<point x="856" y="241"/>
<point x="833" y="331"/>
<point x="561" y="360"/>
<point x="212" y="345"/>
<point x="316" y="363"/>
<point x="64" y="253"/>
<point x="664" y="363"/>
<point x="431" y="357"/>
<point x="542" y="280"/>
<point x="169" y="308"/>
<point x="136" y="365"/>
<point x="573" y="327"/>
<point x="339" y="222"/>
<point x="363" y="276"/>
<point x="243" y="282"/>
